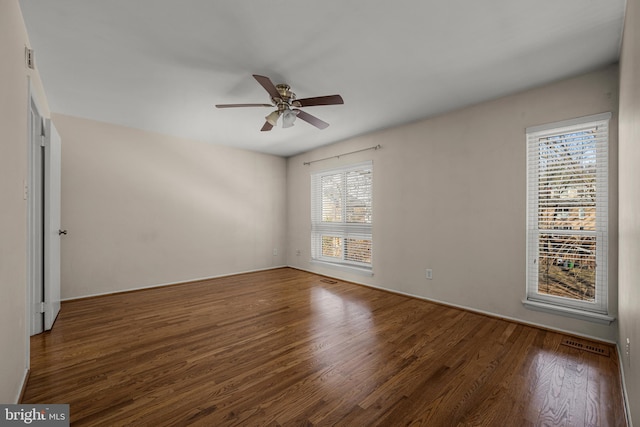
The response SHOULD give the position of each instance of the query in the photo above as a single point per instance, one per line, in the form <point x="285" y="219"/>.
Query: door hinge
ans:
<point x="42" y="310"/>
<point x="43" y="134"/>
<point x="29" y="58"/>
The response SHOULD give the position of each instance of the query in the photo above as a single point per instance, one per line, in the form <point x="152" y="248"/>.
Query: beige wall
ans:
<point x="450" y="195"/>
<point x="144" y="209"/>
<point x="13" y="208"/>
<point x="629" y="220"/>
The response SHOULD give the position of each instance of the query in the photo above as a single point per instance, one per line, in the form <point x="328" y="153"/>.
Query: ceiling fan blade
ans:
<point x="311" y="119"/>
<point x="318" y="100"/>
<point x="242" y="105"/>
<point x="268" y="85"/>
<point x="266" y="127"/>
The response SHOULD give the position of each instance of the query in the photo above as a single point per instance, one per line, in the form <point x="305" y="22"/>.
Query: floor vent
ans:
<point x="586" y="346"/>
<point x="333" y="282"/>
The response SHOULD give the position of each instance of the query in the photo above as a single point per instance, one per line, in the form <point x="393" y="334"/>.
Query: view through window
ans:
<point x="341" y="215"/>
<point x="567" y="214"/>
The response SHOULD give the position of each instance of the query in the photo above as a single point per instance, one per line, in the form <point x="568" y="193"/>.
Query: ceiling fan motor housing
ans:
<point x="286" y="95"/>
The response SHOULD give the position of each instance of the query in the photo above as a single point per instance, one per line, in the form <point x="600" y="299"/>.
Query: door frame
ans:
<point x="35" y="217"/>
<point x="42" y="191"/>
<point x="52" y="160"/>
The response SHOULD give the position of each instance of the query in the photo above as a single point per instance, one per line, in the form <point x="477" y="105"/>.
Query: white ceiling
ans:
<point x="161" y="65"/>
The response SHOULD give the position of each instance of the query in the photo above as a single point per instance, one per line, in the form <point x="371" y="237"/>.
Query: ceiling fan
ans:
<point x="287" y="105"/>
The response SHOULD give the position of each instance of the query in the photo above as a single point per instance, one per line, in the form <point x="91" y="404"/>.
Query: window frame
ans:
<point x="586" y="310"/>
<point x="343" y="229"/>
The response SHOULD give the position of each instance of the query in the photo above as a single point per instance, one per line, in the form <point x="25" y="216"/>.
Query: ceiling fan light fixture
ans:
<point x="288" y="117"/>
<point x="272" y="118"/>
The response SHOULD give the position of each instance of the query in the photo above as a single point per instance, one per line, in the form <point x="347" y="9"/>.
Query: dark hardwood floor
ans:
<point x="284" y="347"/>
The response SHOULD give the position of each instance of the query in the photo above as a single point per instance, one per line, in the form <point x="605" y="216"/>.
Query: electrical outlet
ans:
<point x="298" y="252"/>
<point x="429" y="273"/>
<point x="275" y="251"/>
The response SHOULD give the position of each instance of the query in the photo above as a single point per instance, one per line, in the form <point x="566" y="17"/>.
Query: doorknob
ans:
<point x="62" y="232"/>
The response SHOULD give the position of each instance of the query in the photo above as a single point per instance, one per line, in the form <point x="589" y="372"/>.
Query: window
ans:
<point x="567" y="217"/>
<point x="341" y="216"/>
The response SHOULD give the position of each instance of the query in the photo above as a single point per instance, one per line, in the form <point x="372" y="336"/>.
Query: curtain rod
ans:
<point x="345" y="154"/>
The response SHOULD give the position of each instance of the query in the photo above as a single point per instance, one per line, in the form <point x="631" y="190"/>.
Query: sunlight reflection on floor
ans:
<point x="352" y="319"/>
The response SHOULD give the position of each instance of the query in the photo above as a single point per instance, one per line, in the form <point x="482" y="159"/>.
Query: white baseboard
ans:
<point x="471" y="309"/>
<point x="512" y="319"/>
<point x="625" y="396"/>
<point x="462" y="307"/>
<point x="172" y="283"/>
<point x="23" y="387"/>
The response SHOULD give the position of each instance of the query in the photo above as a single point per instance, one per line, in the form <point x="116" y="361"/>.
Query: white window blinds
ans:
<point x="341" y="215"/>
<point x="567" y="217"/>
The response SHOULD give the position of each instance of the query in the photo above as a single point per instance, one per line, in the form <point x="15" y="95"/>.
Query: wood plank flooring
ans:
<point x="285" y="348"/>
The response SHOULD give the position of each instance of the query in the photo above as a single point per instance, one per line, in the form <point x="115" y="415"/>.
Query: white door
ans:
<point x="44" y="221"/>
<point x="52" y="231"/>
<point x="36" y="216"/>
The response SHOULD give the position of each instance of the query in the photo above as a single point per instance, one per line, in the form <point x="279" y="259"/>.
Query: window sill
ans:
<point x="569" y="312"/>
<point x="343" y="267"/>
